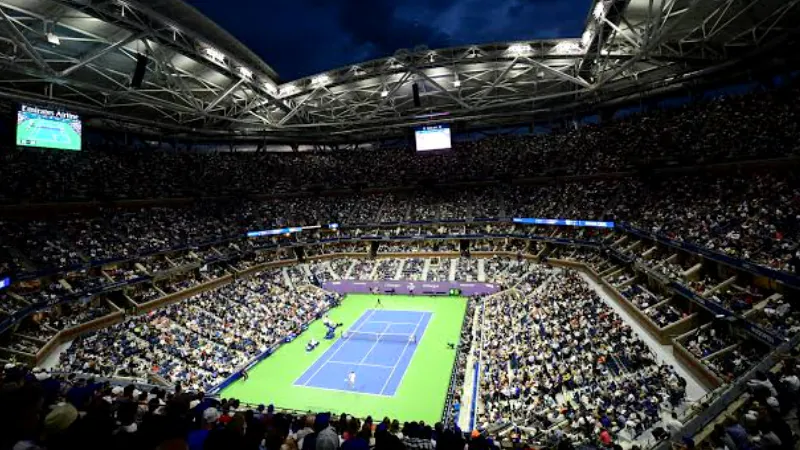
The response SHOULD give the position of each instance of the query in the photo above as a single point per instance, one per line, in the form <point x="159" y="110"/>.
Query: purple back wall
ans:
<point x="409" y="287"/>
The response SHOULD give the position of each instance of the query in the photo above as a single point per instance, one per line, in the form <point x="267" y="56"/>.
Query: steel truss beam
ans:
<point x="663" y="40"/>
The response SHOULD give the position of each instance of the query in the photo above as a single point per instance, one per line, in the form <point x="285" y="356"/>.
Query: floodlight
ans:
<point x="599" y="10"/>
<point x="289" y="89"/>
<point x="566" y="47"/>
<point x="321" y="80"/>
<point x="586" y="38"/>
<point x="384" y="93"/>
<point x="519" y="49"/>
<point x="245" y="72"/>
<point x="457" y="83"/>
<point x="53" y="39"/>
<point x="214" y="54"/>
<point x="271" y="88"/>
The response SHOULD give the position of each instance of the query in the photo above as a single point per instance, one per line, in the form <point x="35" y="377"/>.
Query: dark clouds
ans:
<point x="303" y="37"/>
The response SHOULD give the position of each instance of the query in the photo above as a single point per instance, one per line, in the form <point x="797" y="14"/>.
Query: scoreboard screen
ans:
<point x="47" y="128"/>
<point x="433" y="137"/>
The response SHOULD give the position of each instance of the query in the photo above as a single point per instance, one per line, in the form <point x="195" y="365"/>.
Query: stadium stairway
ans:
<point x="287" y="279"/>
<point x="329" y="269"/>
<point x="425" y="268"/>
<point x="399" y="274"/>
<point x="348" y="274"/>
<point x="307" y="271"/>
<point x="664" y="353"/>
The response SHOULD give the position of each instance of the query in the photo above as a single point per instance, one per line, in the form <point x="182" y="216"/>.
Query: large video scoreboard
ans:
<point x="48" y="128"/>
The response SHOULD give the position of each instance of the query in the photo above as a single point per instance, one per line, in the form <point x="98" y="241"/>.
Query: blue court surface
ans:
<point x="50" y="134"/>
<point x="377" y="348"/>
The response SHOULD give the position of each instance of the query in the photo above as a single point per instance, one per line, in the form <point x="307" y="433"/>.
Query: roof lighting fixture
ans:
<point x="566" y="47"/>
<point x="321" y="80"/>
<point x="289" y="89"/>
<point x="586" y="38"/>
<point x="519" y="49"/>
<point x="245" y="72"/>
<point x="384" y="93"/>
<point x="599" y="10"/>
<point x="53" y="39"/>
<point x="358" y="71"/>
<point x="214" y="54"/>
<point x="269" y="87"/>
<point x="457" y="83"/>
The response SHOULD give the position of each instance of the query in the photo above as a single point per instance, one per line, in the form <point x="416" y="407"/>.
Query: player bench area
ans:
<point x="376" y="351"/>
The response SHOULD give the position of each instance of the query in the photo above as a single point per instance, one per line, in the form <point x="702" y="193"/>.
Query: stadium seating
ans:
<point x="698" y="175"/>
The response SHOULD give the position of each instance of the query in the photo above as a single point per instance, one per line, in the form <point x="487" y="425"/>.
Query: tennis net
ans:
<point x="380" y="337"/>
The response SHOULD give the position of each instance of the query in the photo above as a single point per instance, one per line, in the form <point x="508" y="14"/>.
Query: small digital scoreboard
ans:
<point x="432" y="138"/>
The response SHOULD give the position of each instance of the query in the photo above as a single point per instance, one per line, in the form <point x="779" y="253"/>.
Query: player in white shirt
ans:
<point x="351" y="380"/>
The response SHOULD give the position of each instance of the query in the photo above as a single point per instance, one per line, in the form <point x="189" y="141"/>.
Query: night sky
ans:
<point x="302" y="37"/>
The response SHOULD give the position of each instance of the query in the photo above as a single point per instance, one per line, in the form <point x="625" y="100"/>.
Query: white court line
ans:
<point x="377" y="341"/>
<point x="403" y="353"/>
<point x="349" y="392"/>
<point x="360" y="364"/>
<point x="343" y="341"/>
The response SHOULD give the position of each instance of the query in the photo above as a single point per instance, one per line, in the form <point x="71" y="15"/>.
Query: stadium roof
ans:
<point x="82" y="54"/>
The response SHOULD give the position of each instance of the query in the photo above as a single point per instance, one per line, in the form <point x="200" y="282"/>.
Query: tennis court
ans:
<point x="415" y="391"/>
<point x="378" y="347"/>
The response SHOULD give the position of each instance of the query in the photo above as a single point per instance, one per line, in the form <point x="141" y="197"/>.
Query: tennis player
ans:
<point x="351" y="380"/>
<point x="379" y="304"/>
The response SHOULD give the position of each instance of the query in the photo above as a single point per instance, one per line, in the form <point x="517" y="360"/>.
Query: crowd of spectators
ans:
<point x="709" y="340"/>
<point x="203" y="339"/>
<point x="206" y="338"/>
<point x="760" y="124"/>
<point x="555" y="356"/>
<point x="732" y="364"/>
<point x="778" y="315"/>
<point x="665" y="314"/>
<point x="547" y="359"/>
<point x="54" y="412"/>
<point x="748" y="215"/>
<point x="562" y="357"/>
<point x="641" y="297"/>
<point x="763" y="420"/>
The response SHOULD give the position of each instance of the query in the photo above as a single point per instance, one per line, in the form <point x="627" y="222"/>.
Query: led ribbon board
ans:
<point x="567" y="222"/>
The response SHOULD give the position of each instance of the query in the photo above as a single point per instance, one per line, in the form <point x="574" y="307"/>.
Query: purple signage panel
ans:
<point x="409" y="287"/>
